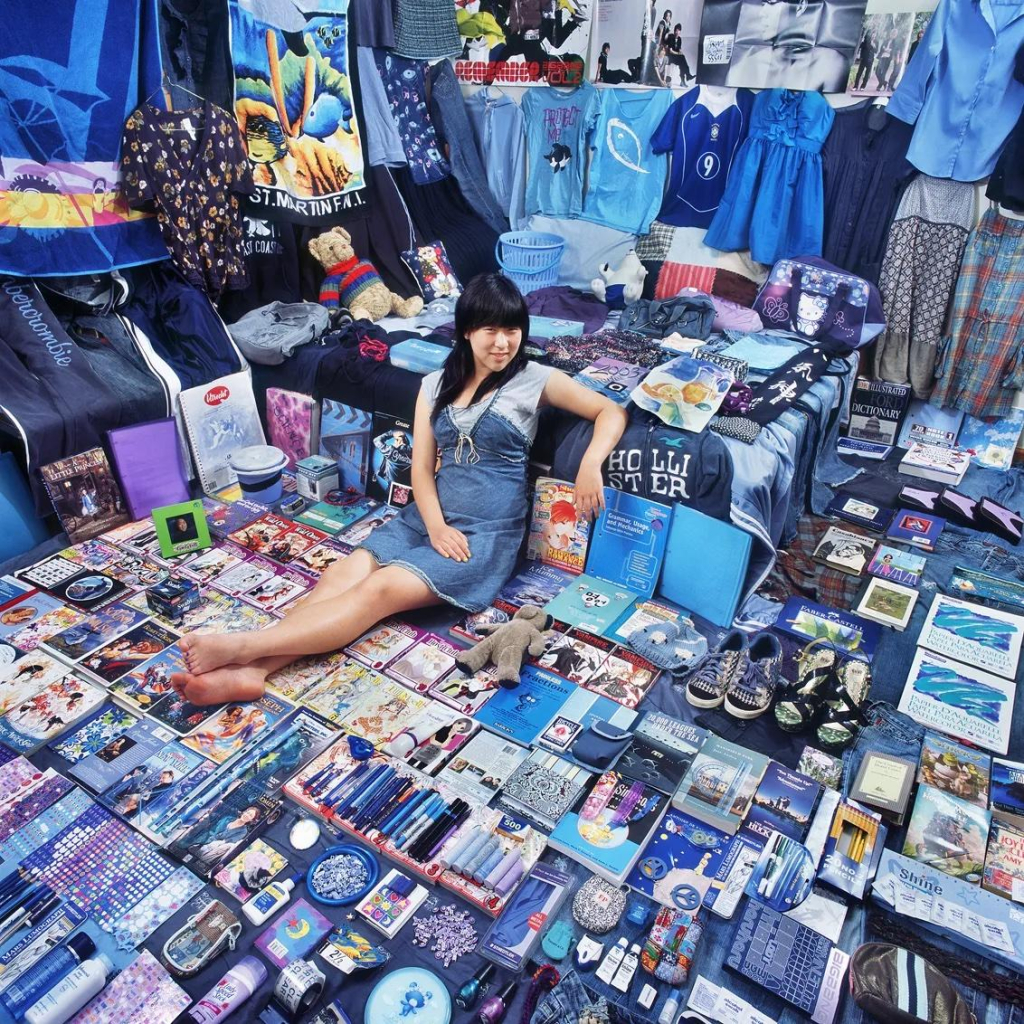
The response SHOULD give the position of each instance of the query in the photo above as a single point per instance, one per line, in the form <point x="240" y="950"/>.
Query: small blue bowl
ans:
<point x="345" y="850"/>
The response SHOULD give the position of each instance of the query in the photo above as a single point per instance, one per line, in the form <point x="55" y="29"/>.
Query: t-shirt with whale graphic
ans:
<point x="558" y="122"/>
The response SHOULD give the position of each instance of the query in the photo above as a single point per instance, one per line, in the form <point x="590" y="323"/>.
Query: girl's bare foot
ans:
<point x="228" y="683"/>
<point x="206" y="652"/>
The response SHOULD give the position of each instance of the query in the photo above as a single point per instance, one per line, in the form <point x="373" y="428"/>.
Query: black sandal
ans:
<point x="803" y="701"/>
<point x="844" y="705"/>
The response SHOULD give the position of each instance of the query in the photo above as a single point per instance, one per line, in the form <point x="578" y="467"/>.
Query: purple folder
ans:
<point x="147" y="457"/>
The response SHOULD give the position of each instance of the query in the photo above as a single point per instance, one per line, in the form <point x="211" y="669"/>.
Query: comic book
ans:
<point x="558" y="535"/>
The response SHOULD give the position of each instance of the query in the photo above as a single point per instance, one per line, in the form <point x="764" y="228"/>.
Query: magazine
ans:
<point x="558" y="534"/>
<point x="948" y="834"/>
<point x="232" y="728"/>
<point x="961" y="771"/>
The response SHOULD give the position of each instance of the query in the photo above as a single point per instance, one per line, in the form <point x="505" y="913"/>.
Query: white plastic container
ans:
<point x="63" y="1002"/>
<point x="259" y="468"/>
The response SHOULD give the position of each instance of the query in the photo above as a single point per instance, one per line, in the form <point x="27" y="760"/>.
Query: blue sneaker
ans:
<point x="752" y="693"/>
<point x="716" y="672"/>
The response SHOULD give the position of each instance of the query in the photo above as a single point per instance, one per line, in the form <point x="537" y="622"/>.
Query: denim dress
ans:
<point x="481" y="485"/>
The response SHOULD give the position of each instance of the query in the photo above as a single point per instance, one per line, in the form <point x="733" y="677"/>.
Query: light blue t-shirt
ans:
<point x="627" y="177"/>
<point x="557" y="125"/>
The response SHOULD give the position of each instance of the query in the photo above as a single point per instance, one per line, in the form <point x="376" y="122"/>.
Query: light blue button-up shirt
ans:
<point x="959" y="90"/>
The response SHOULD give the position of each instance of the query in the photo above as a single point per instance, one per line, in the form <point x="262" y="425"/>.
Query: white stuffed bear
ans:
<point x="619" y="287"/>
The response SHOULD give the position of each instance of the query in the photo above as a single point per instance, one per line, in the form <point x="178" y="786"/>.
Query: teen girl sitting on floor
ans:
<point x="476" y="419"/>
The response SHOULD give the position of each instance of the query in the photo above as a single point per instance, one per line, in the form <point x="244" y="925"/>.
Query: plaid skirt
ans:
<point x="980" y="365"/>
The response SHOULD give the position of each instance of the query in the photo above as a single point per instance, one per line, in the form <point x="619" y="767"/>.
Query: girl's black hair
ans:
<point x="489" y="300"/>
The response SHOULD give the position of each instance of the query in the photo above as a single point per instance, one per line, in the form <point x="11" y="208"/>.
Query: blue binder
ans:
<point x="705" y="565"/>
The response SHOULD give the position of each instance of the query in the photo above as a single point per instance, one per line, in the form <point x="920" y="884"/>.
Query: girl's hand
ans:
<point x="589" y="490"/>
<point x="451" y="543"/>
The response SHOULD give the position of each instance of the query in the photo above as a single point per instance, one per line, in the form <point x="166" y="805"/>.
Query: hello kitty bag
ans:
<point x="812" y="298"/>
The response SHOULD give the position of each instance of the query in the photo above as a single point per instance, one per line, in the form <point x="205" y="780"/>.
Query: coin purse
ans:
<point x="598" y="905"/>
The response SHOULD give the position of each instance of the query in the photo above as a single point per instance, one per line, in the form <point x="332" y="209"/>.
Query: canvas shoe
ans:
<point x="751" y="693"/>
<point x="717" y="671"/>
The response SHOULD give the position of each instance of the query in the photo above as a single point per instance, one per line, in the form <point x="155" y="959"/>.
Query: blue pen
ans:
<point x="324" y="772"/>
<point x="341" y="804"/>
<point x="370" y="809"/>
<point x="398" y="796"/>
<point x="332" y="778"/>
<point x="435" y="801"/>
<point x="339" y="790"/>
<point x="396" y="820"/>
<point x="18" y="899"/>
<point x="354" y="805"/>
<point x="428" y="819"/>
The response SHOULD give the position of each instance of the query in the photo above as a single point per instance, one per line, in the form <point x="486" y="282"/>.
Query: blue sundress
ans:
<point x="482" y="488"/>
<point x="774" y="199"/>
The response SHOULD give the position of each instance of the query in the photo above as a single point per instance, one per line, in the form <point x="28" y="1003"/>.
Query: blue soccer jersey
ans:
<point x="703" y="129"/>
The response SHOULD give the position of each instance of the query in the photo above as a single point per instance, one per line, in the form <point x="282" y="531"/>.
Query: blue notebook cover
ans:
<point x="12" y="590"/>
<point x="591" y="604"/>
<point x="523" y="713"/>
<point x="808" y="620"/>
<point x="706" y="564"/>
<point x="913" y="527"/>
<point x="628" y="543"/>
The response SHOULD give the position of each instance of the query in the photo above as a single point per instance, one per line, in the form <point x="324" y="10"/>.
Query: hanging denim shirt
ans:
<point x="959" y="90"/>
<point x="497" y="124"/>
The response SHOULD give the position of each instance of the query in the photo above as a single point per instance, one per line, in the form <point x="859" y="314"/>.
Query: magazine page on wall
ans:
<point x="523" y="44"/>
<point x="646" y="42"/>
<point x="889" y="38"/>
<point x="808" y="45"/>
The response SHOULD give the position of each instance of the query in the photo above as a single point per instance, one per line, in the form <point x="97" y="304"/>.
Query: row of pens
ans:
<point x="415" y="819"/>
<point x="24" y="902"/>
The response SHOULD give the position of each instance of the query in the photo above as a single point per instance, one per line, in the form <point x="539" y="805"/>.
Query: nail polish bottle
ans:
<point x="466" y="997"/>
<point x="493" y="1009"/>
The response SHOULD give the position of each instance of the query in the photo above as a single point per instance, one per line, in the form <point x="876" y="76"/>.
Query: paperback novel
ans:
<point x="85" y="494"/>
<point x="897" y="565"/>
<point x="720" y="784"/>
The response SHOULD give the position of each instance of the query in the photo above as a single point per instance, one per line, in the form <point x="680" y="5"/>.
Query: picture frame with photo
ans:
<point x="181" y="528"/>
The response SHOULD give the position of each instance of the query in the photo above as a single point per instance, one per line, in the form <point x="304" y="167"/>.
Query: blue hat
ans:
<point x="669" y="645"/>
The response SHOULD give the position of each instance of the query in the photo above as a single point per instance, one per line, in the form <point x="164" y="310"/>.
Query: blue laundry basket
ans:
<point x="530" y="258"/>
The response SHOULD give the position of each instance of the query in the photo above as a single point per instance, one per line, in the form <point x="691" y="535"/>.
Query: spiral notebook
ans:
<point x="148" y="460"/>
<point x="220" y="418"/>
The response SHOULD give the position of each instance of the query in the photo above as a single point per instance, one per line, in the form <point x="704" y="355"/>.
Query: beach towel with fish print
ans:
<point x="296" y="102"/>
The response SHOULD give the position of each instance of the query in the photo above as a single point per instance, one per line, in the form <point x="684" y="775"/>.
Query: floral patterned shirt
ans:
<point x="190" y="165"/>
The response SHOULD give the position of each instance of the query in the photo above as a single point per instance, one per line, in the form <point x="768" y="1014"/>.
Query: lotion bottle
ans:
<point x="624" y="975"/>
<point x="63" y="1002"/>
<point x="611" y="962"/>
<point x="269" y="900"/>
<point x="55" y="966"/>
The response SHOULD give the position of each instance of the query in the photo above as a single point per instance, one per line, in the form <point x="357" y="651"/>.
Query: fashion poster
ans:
<point x="803" y="44"/>
<point x="296" y="103"/>
<point x="889" y="38"/>
<point x="646" y="42"/>
<point x="523" y="42"/>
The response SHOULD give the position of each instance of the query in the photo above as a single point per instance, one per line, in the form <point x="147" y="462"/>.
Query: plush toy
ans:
<point x="355" y="283"/>
<point x="619" y="287"/>
<point x="506" y="644"/>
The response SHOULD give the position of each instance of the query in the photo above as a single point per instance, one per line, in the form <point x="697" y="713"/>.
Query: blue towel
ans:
<point x="68" y="80"/>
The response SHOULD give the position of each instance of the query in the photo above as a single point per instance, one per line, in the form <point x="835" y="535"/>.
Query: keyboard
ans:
<point x="779" y="954"/>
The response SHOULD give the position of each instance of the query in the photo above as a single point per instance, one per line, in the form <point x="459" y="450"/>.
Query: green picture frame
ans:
<point x="181" y="528"/>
